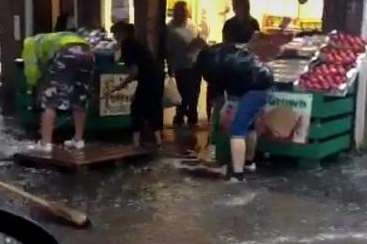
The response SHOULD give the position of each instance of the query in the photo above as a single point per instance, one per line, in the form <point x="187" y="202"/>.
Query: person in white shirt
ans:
<point x="183" y="46"/>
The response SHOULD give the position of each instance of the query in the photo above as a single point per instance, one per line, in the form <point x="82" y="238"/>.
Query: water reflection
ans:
<point x="153" y="201"/>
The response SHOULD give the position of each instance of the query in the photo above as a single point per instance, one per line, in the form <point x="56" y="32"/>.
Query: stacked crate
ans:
<point x="331" y="132"/>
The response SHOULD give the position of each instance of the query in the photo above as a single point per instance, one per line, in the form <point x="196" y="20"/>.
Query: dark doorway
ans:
<point x="89" y="13"/>
<point x="67" y="6"/>
<point x="42" y="16"/>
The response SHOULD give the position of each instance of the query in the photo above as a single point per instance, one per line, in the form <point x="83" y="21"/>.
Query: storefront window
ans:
<point x="209" y="15"/>
<point x="270" y="13"/>
<point x="117" y="10"/>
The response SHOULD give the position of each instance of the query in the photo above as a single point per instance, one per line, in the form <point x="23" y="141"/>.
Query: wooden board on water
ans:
<point x="92" y="155"/>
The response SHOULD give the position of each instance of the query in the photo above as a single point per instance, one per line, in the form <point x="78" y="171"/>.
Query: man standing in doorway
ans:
<point x="183" y="46"/>
<point x="242" y="26"/>
<point x="238" y="29"/>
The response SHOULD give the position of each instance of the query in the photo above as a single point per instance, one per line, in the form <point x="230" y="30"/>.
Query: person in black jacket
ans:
<point x="238" y="29"/>
<point x="242" y="26"/>
<point x="147" y="104"/>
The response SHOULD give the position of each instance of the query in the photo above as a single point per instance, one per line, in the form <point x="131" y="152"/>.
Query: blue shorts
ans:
<point x="249" y="107"/>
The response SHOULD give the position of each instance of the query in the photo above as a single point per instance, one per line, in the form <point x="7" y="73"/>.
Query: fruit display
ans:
<point x="99" y="40"/>
<point x="287" y="70"/>
<point x="325" y="77"/>
<point x="332" y="55"/>
<point x="346" y="41"/>
<point x="304" y="47"/>
<point x="335" y="66"/>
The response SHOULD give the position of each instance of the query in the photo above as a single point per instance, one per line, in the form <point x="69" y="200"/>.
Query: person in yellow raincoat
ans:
<point x="60" y="65"/>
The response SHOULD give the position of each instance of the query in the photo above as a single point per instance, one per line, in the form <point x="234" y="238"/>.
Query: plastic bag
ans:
<point x="171" y="96"/>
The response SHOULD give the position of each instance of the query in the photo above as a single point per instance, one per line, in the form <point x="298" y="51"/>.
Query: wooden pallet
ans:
<point x="92" y="155"/>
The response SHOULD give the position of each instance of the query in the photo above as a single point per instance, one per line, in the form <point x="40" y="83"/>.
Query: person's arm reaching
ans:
<point x="133" y="72"/>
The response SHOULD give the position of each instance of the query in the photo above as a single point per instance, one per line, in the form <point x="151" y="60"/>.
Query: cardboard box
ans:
<point x="280" y="123"/>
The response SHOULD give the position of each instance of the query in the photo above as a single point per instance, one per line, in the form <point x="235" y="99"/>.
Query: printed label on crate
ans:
<point x="116" y="103"/>
<point x="287" y="117"/>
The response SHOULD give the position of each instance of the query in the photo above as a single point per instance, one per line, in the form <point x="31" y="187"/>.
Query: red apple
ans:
<point x="313" y="80"/>
<point x="341" y="70"/>
<point x="333" y="70"/>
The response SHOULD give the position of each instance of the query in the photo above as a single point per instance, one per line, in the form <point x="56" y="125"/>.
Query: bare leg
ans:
<point x="47" y="125"/>
<point x="238" y="149"/>
<point x="158" y="137"/>
<point x="136" y="139"/>
<point x="80" y="117"/>
<point x="251" y="141"/>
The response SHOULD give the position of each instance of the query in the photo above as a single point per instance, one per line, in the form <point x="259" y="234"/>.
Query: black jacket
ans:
<point x="234" y="69"/>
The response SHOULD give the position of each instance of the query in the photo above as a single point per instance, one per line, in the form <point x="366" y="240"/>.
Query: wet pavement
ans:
<point x="153" y="202"/>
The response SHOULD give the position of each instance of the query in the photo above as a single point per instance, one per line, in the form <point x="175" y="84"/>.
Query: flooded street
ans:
<point x="150" y="201"/>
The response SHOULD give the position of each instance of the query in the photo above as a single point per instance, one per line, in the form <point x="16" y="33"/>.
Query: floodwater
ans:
<point x="153" y="202"/>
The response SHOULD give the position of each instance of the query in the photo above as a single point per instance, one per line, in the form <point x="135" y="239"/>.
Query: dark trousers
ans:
<point x="188" y="84"/>
<point x="147" y="108"/>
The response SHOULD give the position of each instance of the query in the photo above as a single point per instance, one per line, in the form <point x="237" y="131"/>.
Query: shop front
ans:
<point x="149" y="18"/>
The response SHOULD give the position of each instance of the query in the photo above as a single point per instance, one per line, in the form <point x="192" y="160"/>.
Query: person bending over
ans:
<point x="60" y="65"/>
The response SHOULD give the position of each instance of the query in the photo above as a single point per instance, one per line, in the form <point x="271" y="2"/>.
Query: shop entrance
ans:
<point x="210" y="15"/>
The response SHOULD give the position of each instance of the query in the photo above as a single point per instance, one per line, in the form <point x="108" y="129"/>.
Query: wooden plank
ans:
<point x="92" y="155"/>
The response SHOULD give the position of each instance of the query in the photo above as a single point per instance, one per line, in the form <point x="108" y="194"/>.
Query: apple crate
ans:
<point x="331" y="133"/>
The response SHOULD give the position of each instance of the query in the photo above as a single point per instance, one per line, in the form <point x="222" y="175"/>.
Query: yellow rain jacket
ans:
<point x="40" y="49"/>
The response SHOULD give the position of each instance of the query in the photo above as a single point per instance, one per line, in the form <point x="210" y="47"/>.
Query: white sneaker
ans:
<point x="250" y="168"/>
<point x="75" y="144"/>
<point x="39" y="147"/>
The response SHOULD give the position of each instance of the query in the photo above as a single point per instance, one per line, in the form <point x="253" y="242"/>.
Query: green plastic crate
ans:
<point x="28" y="116"/>
<point x="331" y="132"/>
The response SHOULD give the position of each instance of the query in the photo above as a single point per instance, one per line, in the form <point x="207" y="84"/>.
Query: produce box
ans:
<point x="335" y="67"/>
<point x="330" y="133"/>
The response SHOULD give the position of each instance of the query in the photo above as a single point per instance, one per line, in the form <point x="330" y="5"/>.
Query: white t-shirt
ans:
<point x="178" y="43"/>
